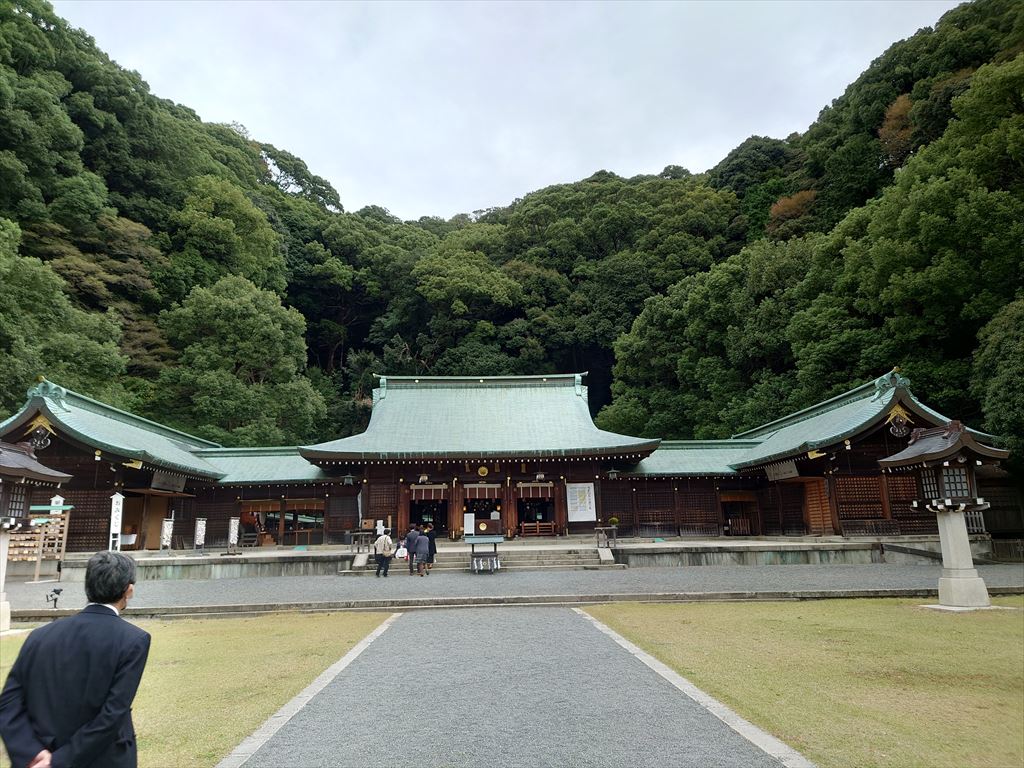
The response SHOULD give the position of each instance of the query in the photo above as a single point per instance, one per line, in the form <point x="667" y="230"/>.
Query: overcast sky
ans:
<point x="438" y="108"/>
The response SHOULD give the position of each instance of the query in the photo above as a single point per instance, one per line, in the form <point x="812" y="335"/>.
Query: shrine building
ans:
<point x="520" y="455"/>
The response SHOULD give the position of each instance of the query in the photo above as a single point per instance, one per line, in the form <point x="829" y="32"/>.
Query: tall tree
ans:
<point x="239" y="375"/>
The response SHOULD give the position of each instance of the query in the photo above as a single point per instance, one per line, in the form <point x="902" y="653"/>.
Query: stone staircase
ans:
<point x="512" y="559"/>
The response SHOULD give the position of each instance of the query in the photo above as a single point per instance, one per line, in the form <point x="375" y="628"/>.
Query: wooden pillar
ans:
<point x="833" y="502"/>
<point x="508" y="505"/>
<point x="455" y="509"/>
<point x="402" y="505"/>
<point x="883" y="490"/>
<point x="140" y="541"/>
<point x="282" y="511"/>
<point x="676" y="511"/>
<point x="561" y="512"/>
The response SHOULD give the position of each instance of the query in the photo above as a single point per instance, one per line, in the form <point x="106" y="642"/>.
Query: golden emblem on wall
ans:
<point x="482" y="471"/>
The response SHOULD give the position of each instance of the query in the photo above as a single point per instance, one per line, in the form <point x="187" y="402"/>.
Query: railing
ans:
<point x="537" y="529"/>
<point x="1010" y="550"/>
<point x="871" y="528"/>
<point x="975" y="521"/>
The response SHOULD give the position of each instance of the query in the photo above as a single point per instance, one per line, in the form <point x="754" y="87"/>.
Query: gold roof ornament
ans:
<point x="899" y="421"/>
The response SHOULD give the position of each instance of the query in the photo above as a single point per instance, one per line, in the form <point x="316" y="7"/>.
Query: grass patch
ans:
<point x="209" y="684"/>
<point x="872" y="682"/>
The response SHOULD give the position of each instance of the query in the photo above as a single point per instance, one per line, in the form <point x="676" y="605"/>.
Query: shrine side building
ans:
<point x="519" y="455"/>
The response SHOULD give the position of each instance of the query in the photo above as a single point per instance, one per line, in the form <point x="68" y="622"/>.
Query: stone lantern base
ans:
<point x="963" y="588"/>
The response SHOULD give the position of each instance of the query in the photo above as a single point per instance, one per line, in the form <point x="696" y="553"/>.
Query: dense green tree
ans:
<point x="711" y="357"/>
<point x="220" y="232"/>
<point x="126" y="203"/>
<point x="239" y="375"/>
<point x="997" y="376"/>
<point x="42" y="334"/>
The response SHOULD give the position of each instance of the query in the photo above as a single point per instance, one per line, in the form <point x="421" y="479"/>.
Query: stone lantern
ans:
<point x="946" y="458"/>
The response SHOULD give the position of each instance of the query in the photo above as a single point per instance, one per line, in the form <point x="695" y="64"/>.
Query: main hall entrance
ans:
<point x="435" y="512"/>
<point x="535" y="511"/>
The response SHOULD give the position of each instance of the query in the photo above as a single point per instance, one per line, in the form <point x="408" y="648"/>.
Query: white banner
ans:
<point x="116" y="513"/>
<point x="200" y="532"/>
<point x="233" y="532"/>
<point x="580" y="502"/>
<point x="166" y="530"/>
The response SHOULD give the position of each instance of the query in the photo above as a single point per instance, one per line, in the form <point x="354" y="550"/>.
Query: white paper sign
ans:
<point x="468" y="521"/>
<point x="200" y="532"/>
<point x="116" y="513"/>
<point x="232" y="531"/>
<point x="782" y="471"/>
<point x="166" y="530"/>
<point x="580" y="502"/>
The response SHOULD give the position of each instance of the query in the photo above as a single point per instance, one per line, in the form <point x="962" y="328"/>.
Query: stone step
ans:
<point x="458" y="564"/>
<point x="555" y="557"/>
<point x="404" y="573"/>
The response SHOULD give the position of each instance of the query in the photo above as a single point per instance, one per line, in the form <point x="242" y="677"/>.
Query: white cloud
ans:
<point x="439" y="108"/>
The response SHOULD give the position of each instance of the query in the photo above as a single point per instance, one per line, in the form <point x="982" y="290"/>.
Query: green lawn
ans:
<point x="852" y="682"/>
<point x="209" y="684"/>
<point x="845" y="682"/>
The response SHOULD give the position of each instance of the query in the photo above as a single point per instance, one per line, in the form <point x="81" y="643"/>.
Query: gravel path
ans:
<point x="532" y="687"/>
<point x="285" y="589"/>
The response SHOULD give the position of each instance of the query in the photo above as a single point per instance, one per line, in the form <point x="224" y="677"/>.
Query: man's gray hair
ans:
<point x="107" y="576"/>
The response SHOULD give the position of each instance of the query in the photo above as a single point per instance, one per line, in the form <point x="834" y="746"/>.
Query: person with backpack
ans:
<point x="383" y="551"/>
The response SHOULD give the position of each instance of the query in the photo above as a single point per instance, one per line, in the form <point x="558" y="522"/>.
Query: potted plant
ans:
<point x="613" y="522"/>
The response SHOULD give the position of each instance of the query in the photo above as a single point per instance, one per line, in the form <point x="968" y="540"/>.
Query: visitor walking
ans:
<point x="431" y="535"/>
<point x="383" y="551"/>
<point x="422" y="553"/>
<point x="410" y="544"/>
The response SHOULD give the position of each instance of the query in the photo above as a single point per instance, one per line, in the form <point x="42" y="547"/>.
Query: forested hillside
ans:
<point x="192" y="273"/>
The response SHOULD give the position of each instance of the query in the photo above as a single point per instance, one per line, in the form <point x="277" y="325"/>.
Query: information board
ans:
<point x="580" y="502"/>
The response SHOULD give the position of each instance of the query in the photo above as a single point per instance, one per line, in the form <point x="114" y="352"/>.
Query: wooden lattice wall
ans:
<point x="655" y="505"/>
<point x="698" y="508"/>
<point x="902" y="489"/>
<point x="342" y="514"/>
<point x="383" y="500"/>
<point x="88" y="522"/>
<point x="617" y="501"/>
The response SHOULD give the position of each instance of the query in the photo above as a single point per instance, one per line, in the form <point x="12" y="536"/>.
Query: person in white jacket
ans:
<point x="383" y="551"/>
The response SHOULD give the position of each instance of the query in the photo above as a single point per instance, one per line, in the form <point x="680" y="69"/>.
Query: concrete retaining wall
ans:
<point x="220" y="567"/>
<point x="655" y="558"/>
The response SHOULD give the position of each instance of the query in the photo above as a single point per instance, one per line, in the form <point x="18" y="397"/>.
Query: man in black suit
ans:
<point x="68" y="698"/>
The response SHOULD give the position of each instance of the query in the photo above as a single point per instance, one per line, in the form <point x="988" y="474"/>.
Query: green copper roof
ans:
<point x="470" y="417"/>
<point x="832" y="421"/>
<point x="263" y="466"/>
<point x="479" y="417"/>
<point x="19" y="461"/>
<point x="693" y="457"/>
<point x="108" y="429"/>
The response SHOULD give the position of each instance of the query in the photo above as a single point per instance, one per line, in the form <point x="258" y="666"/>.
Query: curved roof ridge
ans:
<point x="838" y="401"/>
<point x="272" y="450"/>
<point x="481" y="379"/>
<point x="57" y="394"/>
<point x="722" y="442"/>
